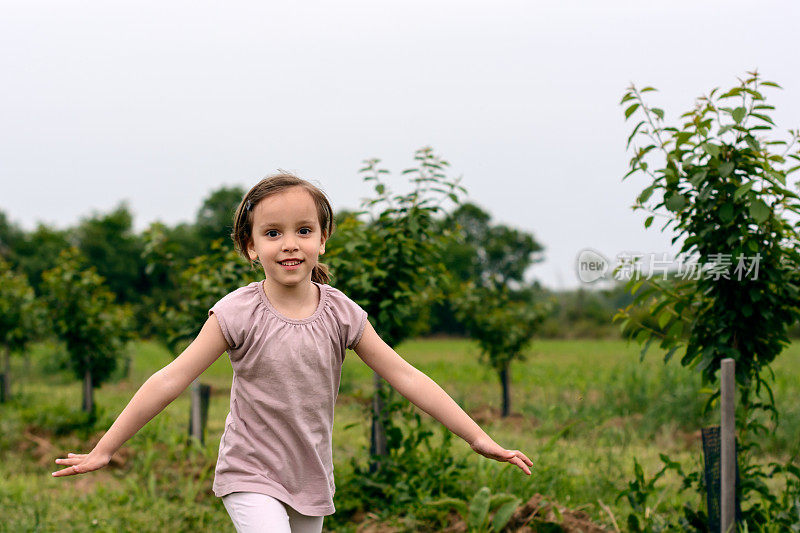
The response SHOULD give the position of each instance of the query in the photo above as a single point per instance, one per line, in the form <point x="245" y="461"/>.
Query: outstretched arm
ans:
<point x="423" y="392"/>
<point x="151" y="398"/>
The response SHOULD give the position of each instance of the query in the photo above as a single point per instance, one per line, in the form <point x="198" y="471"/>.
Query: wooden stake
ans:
<point x="728" y="446"/>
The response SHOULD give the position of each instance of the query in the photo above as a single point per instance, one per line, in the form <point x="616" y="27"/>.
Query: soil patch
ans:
<point x="539" y="514"/>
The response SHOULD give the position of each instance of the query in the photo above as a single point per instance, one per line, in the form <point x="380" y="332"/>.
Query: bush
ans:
<point x="416" y="471"/>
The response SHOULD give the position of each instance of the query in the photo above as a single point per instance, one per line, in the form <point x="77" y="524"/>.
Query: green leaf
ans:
<point x="630" y="110"/>
<point x="676" y="202"/>
<point x="658" y="112"/>
<point x="479" y="507"/>
<point x="449" y="503"/>
<point x="752" y="143"/>
<point x="645" y="195"/>
<point x="743" y="189"/>
<point x="738" y="114"/>
<point x="682" y="138"/>
<point x="648" y="89"/>
<point x="725" y="169"/>
<point x="726" y="213"/>
<point x="503" y="514"/>
<point x="675" y="329"/>
<point x="664" y="319"/>
<point x="668" y="355"/>
<point x="763" y="117"/>
<point x="648" y="221"/>
<point x="759" y="211"/>
<point x="636" y="285"/>
<point x="633" y="133"/>
<point x="711" y="149"/>
<point x="698" y="177"/>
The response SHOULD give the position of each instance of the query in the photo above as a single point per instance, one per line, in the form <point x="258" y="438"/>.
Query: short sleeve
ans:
<point x="357" y="323"/>
<point x="223" y="316"/>
<point x="234" y="312"/>
<point x="349" y="316"/>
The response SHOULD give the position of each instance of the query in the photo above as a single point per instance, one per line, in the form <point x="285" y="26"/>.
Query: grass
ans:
<point x="581" y="410"/>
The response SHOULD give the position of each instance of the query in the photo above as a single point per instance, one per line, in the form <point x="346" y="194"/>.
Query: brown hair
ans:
<point x="274" y="184"/>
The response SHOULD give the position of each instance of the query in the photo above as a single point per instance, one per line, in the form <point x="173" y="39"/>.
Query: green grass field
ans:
<point x="581" y="411"/>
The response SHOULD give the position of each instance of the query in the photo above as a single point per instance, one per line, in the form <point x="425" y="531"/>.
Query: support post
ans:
<point x="728" y="446"/>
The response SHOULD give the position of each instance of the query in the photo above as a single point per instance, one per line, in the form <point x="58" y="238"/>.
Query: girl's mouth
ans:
<point x="291" y="265"/>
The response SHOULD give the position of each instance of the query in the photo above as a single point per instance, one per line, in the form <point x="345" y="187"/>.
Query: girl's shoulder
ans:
<point x="336" y="295"/>
<point x="341" y="304"/>
<point x="248" y="294"/>
<point x="348" y="314"/>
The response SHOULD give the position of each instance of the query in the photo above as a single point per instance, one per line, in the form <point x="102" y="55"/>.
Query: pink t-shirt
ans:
<point x="286" y="373"/>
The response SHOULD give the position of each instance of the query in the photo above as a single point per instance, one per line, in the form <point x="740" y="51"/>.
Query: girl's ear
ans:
<point x="251" y="251"/>
<point x="322" y="246"/>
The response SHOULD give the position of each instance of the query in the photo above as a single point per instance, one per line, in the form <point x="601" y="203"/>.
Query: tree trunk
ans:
<point x="378" y="437"/>
<point x="88" y="392"/>
<point x="5" y="386"/>
<point x="196" y="433"/>
<point x="504" y="381"/>
<point x="198" y="411"/>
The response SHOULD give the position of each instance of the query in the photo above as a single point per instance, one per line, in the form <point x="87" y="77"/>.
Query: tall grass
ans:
<point x="581" y="410"/>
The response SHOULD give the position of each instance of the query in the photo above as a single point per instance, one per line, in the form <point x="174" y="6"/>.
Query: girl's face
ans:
<point x="286" y="226"/>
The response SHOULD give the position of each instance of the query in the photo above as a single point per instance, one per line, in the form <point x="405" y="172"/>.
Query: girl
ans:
<point x="286" y="337"/>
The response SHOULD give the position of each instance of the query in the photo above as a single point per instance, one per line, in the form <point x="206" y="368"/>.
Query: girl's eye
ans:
<point x="270" y="232"/>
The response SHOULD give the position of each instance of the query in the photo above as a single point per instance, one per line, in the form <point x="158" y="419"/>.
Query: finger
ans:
<point x="66" y="472"/>
<point x="69" y="457"/>
<point x="74" y="469"/>
<point x="517" y="461"/>
<point x="523" y="457"/>
<point x="70" y="460"/>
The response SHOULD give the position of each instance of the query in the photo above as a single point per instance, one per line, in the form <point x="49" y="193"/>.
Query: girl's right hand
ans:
<point x="82" y="463"/>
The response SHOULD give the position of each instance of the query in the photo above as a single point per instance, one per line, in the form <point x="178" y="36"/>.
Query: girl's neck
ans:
<point x="293" y="299"/>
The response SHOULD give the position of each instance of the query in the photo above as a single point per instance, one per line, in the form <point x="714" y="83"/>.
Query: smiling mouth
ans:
<point x="289" y="263"/>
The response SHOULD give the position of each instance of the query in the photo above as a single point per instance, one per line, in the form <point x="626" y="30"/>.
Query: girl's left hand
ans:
<point x="487" y="447"/>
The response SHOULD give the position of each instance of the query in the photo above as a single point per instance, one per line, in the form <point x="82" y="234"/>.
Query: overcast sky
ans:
<point x="161" y="102"/>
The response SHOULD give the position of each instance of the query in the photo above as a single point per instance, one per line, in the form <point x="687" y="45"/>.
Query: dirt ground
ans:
<point x="536" y="515"/>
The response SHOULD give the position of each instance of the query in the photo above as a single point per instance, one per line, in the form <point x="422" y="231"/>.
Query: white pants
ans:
<point x="252" y="512"/>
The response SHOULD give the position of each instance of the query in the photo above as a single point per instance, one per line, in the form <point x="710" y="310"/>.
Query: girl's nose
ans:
<point x="289" y="244"/>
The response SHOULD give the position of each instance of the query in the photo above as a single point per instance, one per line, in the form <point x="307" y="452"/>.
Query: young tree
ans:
<point x="502" y="324"/>
<point x="482" y="253"/>
<point x="36" y="251"/>
<point x="392" y="265"/>
<point x="722" y="186"/>
<point x="21" y="320"/>
<point x="214" y="219"/>
<point x="110" y="245"/>
<point x="11" y="239"/>
<point x="85" y="316"/>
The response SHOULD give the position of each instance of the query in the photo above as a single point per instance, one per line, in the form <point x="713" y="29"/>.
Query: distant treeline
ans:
<point x="138" y="275"/>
